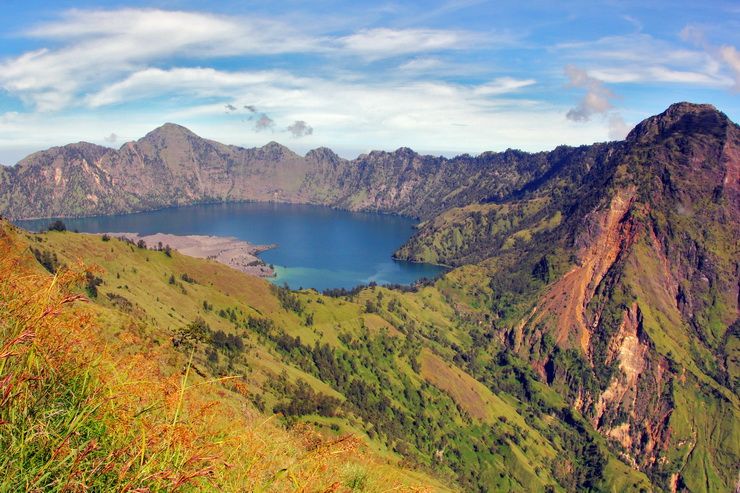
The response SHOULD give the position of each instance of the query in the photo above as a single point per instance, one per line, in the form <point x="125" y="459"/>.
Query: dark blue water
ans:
<point x="318" y="247"/>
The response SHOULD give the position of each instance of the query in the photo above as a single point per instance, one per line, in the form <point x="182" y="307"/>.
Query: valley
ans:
<point x="587" y="339"/>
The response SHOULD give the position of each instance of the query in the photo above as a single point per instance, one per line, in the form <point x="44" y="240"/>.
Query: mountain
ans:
<point x="617" y="281"/>
<point x="587" y="340"/>
<point x="172" y="166"/>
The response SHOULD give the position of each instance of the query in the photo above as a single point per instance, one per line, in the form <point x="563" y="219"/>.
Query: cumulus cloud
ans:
<point x="230" y="108"/>
<point x="112" y="138"/>
<point x="299" y="128"/>
<point x="596" y="100"/>
<point x="264" y="122"/>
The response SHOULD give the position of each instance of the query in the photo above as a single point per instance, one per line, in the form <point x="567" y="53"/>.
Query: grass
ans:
<point x="503" y="434"/>
<point x="90" y="406"/>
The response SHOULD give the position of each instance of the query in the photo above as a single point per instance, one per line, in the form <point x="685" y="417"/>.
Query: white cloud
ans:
<point x="597" y="99"/>
<point x="384" y="42"/>
<point x="618" y="128"/>
<point x="502" y="85"/>
<point x="641" y="58"/>
<point x="200" y="82"/>
<point x="731" y="56"/>
<point x="421" y="64"/>
<point x="353" y="115"/>
<point x="92" y="48"/>
<point x="723" y="55"/>
<point x="8" y="117"/>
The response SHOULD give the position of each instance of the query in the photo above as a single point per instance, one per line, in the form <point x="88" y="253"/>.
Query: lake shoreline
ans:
<point x="319" y="247"/>
<point x="228" y="250"/>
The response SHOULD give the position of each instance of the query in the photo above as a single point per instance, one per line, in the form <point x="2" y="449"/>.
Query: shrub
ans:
<point x="57" y="225"/>
<point x="47" y="259"/>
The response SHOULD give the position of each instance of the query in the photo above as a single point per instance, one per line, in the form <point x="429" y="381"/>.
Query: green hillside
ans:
<point x="587" y="341"/>
<point x="382" y="365"/>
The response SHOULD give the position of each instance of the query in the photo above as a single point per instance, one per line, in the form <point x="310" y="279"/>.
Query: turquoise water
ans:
<point x="318" y="247"/>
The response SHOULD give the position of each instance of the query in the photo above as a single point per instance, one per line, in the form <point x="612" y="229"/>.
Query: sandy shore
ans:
<point x="235" y="253"/>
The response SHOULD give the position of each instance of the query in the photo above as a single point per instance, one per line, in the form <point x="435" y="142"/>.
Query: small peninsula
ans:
<point x="237" y="254"/>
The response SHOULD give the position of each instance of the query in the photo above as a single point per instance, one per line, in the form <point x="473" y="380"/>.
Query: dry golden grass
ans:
<point x="78" y="413"/>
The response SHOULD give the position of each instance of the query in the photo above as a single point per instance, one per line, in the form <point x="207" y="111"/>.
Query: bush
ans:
<point x="228" y="342"/>
<point x="57" y="225"/>
<point x="304" y="400"/>
<point x="288" y="300"/>
<point x="185" y="277"/>
<point x="47" y="259"/>
<point x="91" y="284"/>
<point x="193" y="333"/>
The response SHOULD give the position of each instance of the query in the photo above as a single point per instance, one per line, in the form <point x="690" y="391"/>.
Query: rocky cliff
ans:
<point x="172" y="166"/>
<point x="618" y="282"/>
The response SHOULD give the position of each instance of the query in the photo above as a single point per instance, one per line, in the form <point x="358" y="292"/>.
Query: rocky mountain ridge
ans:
<point x="172" y="166"/>
<point x="618" y="282"/>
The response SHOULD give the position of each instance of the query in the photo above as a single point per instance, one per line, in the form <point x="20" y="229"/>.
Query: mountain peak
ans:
<point x="274" y="151"/>
<point x="168" y="131"/>
<point x="682" y="117"/>
<point x="323" y="154"/>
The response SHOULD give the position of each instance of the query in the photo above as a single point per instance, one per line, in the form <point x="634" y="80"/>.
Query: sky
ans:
<point x="440" y="77"/>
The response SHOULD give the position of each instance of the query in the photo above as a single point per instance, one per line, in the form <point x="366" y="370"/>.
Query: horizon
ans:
<point x="455" y="77"/>
<point x="346" y="157"/>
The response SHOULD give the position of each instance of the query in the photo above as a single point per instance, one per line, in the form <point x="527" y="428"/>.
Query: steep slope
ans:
<point x="381" y="365"/>
<point x="589" y="336"/>
<point x="94" y="395"/>
<point x="629" y="303"/>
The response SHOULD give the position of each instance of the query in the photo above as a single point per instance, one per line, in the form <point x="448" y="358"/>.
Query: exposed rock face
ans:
<point x="173" y="166"/>
<point x="628" y="302"/>
<point x="658" y="293"/>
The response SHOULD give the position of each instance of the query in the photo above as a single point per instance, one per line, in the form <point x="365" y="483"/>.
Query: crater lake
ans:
<point x="317" y="247"/>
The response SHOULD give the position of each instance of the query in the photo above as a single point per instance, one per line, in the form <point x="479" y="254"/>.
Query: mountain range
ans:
<point x="172" y="166"/>
<point x="588" y="338"/>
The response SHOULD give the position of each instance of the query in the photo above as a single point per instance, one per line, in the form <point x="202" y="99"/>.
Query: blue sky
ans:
<point x="441" y="77"/>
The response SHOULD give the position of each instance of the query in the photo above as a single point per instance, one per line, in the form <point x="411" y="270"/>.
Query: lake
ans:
<point x="318" y="247"/>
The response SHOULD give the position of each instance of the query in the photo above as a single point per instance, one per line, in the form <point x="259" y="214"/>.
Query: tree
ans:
<point x="57" y="225"/>
<point x="193" y="333"/>
<point x="92" y="283"/>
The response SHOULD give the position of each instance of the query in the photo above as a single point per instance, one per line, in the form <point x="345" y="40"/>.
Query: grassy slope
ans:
<point x="134" y="408"/>
<point x="511" y="447"/>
